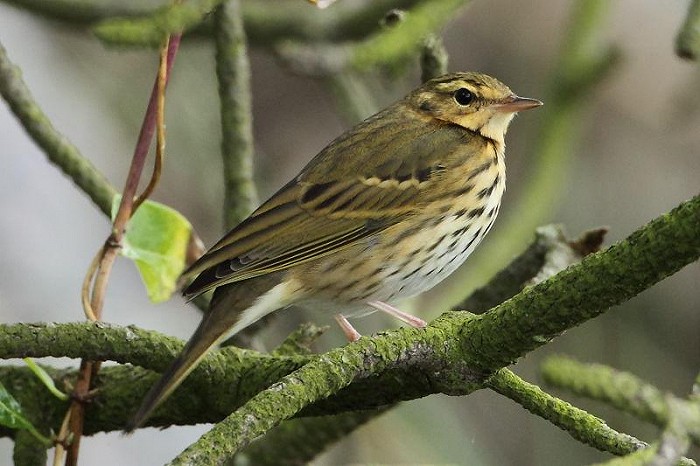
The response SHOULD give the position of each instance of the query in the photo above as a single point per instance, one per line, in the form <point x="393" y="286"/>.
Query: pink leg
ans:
<point x="413" y="321"/>
<point x="350" y="333"/>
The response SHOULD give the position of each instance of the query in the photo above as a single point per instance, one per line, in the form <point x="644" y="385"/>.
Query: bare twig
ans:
<point x="109" y="251"/>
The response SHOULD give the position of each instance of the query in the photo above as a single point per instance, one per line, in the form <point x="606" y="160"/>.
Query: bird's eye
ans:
<point x="463" y="96"/>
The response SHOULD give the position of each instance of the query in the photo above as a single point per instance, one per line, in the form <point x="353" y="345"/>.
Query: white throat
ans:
<point x="497" y="126"/>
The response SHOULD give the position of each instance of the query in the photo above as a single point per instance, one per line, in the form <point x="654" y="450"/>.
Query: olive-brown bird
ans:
<point x="386" y="211"/>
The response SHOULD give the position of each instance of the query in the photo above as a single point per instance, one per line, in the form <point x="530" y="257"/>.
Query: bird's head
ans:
<point x="473" y="101"/>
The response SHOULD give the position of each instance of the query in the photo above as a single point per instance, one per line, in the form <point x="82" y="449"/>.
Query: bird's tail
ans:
<point x="223" y="320"/>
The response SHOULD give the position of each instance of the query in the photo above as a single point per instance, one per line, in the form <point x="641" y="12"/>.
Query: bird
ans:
<point x="384" y="212"/>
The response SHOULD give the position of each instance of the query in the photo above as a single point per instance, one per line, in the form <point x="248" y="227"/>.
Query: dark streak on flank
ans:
<point x="466" y="189"/>
<point x="410" y="257"/>
<point x="432" y="247"/>
<point x="480" y="169"/>
<point x="476" y="212"/>
<point x="460" y="212"/>
<point x="461" y="231"/>
<point x="485" y="192"/>
<point x="412" y="273"/>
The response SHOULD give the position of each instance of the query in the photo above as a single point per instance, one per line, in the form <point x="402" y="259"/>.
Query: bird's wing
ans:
<point x="361" y="183"/>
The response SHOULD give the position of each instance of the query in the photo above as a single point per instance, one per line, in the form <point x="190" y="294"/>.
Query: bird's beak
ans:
<point x="513" y="104"/>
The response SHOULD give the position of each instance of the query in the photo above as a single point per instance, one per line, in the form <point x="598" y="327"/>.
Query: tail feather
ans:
<point x="224" y="320"/>
<point x="203" y="339"/>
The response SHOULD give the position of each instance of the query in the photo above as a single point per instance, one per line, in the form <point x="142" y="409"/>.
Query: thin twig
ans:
<point x="111" y="246"/>
<point x="581" y="425"/>
<point x="56" y="146"/>
<point x="160" y="127"/>
<point x="622" y="390"/>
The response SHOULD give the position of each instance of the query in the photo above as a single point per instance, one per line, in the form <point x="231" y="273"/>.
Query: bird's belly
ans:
<point x="405" y="260"/>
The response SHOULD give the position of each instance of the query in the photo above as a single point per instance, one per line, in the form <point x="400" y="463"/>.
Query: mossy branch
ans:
<point x="475" y="346"/>
<point x="624" y="391"/>
<point x="57" y="148"/>
<point x="152" y="29"/>
<point x="388" y="47"/>
<point x="264" y="25"/>
<point x="582" y="426"/>
<point x="454" y="355"/>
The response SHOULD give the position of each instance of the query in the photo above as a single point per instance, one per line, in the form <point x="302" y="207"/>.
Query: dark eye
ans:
<point x="463" y="96"/>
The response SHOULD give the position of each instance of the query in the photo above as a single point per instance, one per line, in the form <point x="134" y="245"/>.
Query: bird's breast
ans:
<point x="416" y="253"/>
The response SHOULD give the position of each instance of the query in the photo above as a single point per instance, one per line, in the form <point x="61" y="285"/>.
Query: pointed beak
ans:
<point x="513" y="104"/>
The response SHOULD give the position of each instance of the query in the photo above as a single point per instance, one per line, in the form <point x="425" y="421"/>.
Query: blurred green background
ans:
<point x="638" y="155"/>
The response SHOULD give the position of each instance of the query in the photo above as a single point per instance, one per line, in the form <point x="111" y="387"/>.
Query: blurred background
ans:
<point x="637" y="155"/>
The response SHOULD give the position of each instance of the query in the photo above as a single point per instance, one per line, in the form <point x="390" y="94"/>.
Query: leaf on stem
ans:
<point x="45" y="379"/>
<point x="156" y="239"/>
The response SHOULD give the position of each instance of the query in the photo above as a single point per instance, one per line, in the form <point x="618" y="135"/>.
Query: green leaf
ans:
<point x="156" y="240"/>
<point x="11" y="416"/>
<point x="45" y="379"/>
<point x="11" y="411"/>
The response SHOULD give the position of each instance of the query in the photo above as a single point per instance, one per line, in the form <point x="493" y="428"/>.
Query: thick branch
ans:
<point x="587" y="289"/>
<point x="453" y="355"/>
<point x="483" y="344"/>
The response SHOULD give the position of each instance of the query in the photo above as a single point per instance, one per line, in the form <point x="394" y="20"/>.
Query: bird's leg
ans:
<point x="411" y="320"/>
<point x="350" y="333"/>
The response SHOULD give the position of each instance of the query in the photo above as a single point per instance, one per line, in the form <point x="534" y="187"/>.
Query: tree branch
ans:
<point x="625" y="392"/>
<point x="57" y="148"/>
<point x="582" y="426"/>
<point x="453" y="355"/>
<point x="233" y="73"/>
<point x="688" y="38"/>
<point x="474" y="345"/>
<point x="387" y="47"/>
<point x="587" y="289"/>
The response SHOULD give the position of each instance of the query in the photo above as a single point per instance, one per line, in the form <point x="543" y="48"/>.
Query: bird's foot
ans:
<point x="350" y="333"/>
<point x="411" y="320"/>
